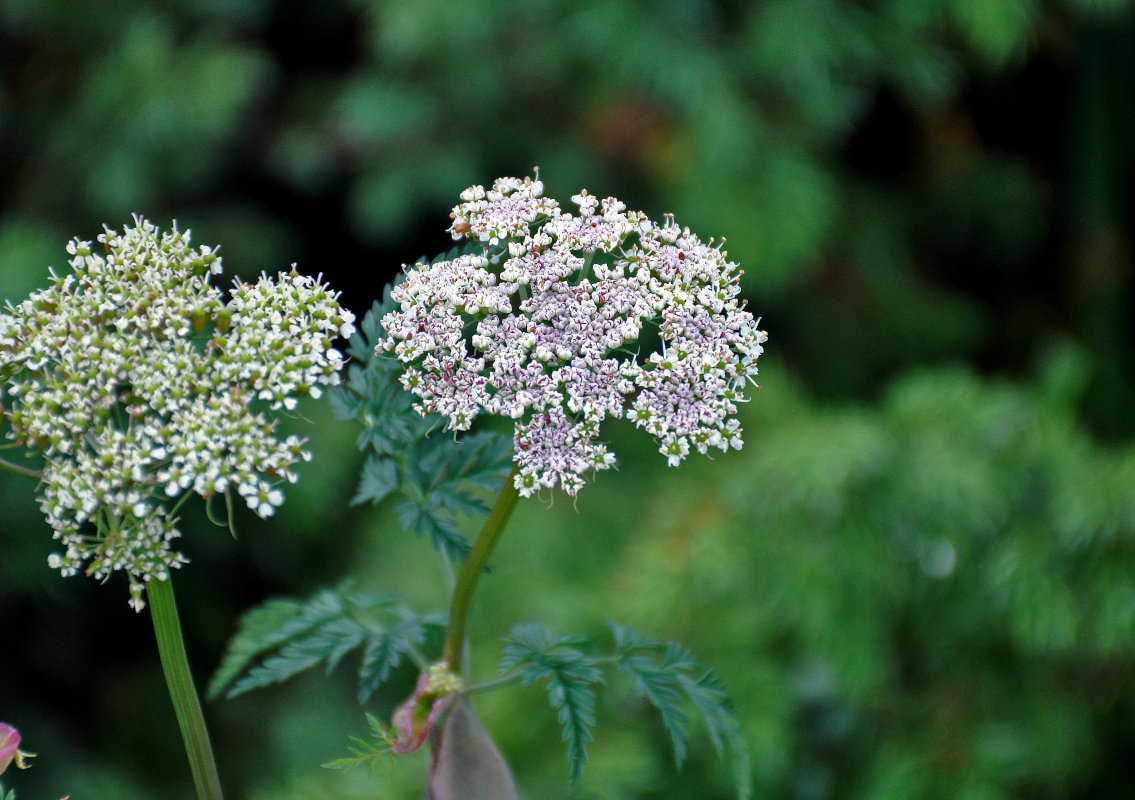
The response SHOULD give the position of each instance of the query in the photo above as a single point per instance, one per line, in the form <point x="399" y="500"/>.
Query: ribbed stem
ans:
<point x="175" y="665"/>
<point x="471" y="571"/>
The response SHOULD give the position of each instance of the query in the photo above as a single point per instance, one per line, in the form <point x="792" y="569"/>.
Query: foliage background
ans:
<point x="917" y="578"/>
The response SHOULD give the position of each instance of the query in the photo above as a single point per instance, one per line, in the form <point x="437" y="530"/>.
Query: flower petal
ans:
<point x="9" y="744"/>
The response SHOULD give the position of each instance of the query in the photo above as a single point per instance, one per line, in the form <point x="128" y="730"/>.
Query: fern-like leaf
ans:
<point x="710" y="698"/>
<point x="364" y="751"/>
<point x="655" y="679"/>
<point x="570" y="676"/>
<point x="664" y="673"/>
<point x="361" y="347"/>
<point x="384" y="650"/>
<point x="428" y="519"/>
<point x="284" y="638"/>
<point x="259" y="631"/>
<point x="378" y="479"/>
<point x="435" y="478"/>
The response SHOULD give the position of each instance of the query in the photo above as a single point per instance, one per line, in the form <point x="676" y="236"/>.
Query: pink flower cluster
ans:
<point x="566" y="318"/>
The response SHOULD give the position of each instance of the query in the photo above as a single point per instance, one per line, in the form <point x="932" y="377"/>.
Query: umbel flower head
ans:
<point x="141" y="383"/>
<point x="560" y="319"/>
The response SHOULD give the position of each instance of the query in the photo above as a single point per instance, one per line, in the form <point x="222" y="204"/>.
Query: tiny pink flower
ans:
<point x="561" y="320"/>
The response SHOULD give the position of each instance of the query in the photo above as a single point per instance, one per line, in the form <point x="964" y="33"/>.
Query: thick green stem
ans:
<point x="175" y="665"/>
<point x="471" y="571"/>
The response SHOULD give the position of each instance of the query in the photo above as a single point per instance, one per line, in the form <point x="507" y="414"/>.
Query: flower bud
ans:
<point x="9" y="748"/>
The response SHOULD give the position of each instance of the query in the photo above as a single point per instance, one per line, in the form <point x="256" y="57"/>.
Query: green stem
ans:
<point x="510" y="678"/>
<point x="587" y="259"/>
<point x="496" y="683"/>
<point x="16" y="468"/>
<point x="471" y="571"/>
<point x="175" y="665"/>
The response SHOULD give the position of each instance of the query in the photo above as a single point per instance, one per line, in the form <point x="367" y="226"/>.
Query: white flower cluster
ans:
<point x="139" y="383"/>
<point x="546" y="325"/>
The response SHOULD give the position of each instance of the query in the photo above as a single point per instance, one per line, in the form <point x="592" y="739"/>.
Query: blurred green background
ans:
<point x="918" y="577"/>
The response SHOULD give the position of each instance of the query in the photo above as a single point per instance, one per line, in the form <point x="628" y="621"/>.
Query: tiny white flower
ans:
<point x="188" y="422"/>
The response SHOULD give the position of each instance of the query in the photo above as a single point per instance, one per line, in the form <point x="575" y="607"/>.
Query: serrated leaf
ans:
<point x="430" y="466"/>
<point x="361" y="750"/>
<point x="341" y="763"/>
<point x="330" y="643"/>
<point x="572" y="697"/>
<point x="481" y="460"/>
<point x="379" y="658"/>
<point x="494" y="460"/>
<point x="435" y="475"/>
<point x="656" y="680"/>
<point x="383" y="653"/>
<point x="361" y="346"/>
<point x="461" y="501"/>
<point x="663" y="673"/>
<point x="258" y="631"/>
<point x="284" y="638"/>
<point x="440" y="529"/>
<point x="378" y="479"/>
<point x="344" y="405"/>
<point x="710" y="698"/>
<point x="569" y="675"/>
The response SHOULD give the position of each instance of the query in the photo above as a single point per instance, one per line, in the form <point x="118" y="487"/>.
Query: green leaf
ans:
<point x="329" y="642"/>
<point x="479" y="461"/>
<point x="378" y="479"/>
<point x="362" y="344"/>
<point x="383" y="653"/>
<point x="664" y="673"/>
<point x="570" y="676"/>
<point x="284" y="638"/>
<point x="655" y="680"/>
<point x="462" y="501"/>
<point x="259" y="631"/>
<point x="436" y="476"/>
<point x="362" y="750"/>
<point x="440" y="529"/>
